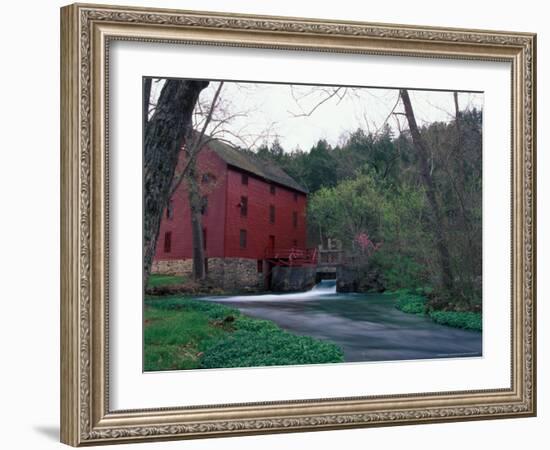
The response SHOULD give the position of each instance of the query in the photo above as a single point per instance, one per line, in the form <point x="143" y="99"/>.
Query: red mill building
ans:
<point x="254" y="217"/>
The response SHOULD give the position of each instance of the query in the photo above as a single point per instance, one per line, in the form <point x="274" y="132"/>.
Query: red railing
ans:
<point x="291" y="256"/>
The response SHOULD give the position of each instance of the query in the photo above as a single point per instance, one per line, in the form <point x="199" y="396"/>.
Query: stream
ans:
<point x="367" y="327"/>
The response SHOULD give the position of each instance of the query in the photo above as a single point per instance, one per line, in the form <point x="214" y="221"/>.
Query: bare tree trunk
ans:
<point x="457" y="113"/>
<point x="456" y="173"/>
<point x="163" y="138"/>
<point x="193" y="145"/>
<point x="195" y="205"/>
<point x="146" y="99"/>
<point x="196" y="142"/>
<point x="459" y="155"/>
<point x="436" y="214"/>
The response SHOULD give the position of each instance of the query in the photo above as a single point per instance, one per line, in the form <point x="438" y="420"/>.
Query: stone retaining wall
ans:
<point x="235" y="273"/>
<point x="173" y="267"/>
<point x="292" y="279"/>
<point x="225" y="273"/>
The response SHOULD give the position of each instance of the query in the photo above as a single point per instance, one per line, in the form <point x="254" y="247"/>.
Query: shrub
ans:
<point x="411" y="302"/>
<point x="458" y="319"/>
<point x="414" y="301"/>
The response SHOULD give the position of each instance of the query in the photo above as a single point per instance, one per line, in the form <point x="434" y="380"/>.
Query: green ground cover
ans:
<point x="181" y="333"/>
<point x="414" y="302"/>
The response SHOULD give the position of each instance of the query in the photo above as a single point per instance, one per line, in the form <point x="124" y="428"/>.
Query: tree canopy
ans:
<point x="374" y="183"/>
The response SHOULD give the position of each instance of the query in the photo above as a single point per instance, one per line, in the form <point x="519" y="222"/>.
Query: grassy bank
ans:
<point x="177" y="285"/>
<point x="182" y="333"/>
<point x="161" y="280"/>
<point x="414" y="302"/>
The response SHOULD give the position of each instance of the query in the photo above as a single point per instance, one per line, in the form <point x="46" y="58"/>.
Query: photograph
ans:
<point x="297" y="224"/>
<point x="294" y="222"/>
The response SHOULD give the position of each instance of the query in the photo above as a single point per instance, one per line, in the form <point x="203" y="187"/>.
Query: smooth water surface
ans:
<point x="367" y="327"/>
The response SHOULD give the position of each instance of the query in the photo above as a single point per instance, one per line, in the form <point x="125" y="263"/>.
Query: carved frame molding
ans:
<point x="86" y="32"/>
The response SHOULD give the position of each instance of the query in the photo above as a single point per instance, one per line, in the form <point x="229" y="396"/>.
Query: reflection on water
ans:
<point x="367" y="327"/>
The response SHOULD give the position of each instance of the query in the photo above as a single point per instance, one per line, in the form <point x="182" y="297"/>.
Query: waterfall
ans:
<point x="324" y="289"/>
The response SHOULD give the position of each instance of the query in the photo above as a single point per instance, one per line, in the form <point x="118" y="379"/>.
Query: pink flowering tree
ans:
<point x="365" y="246"/>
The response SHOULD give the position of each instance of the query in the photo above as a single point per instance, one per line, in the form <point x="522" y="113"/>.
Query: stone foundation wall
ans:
<point x="289" y="279"/>
<point x="173" y="267"/>
<point x="226" y="273"/>
<point x="235" y="273"/>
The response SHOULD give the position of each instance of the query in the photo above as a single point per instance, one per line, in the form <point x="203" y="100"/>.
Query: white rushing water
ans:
<point x="322" y="290"/>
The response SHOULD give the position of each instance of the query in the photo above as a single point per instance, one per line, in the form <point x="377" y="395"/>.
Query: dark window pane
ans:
<point x="244" y="206"/>
<point x="243" y="238"/>
<point x="272" y="213"/>
<point x="168" y="242"/>
<point x="272" y="189"/>
<point x="294" y="219"/>
<point x="244" y="178"/>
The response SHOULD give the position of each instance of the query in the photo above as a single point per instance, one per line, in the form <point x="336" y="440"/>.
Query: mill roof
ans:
<point x="252" y="163"/>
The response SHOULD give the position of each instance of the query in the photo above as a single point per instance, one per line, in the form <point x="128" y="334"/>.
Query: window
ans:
<point x="204" y="205"/>
<point x="272" y="213"/>
<point x="272" y="189"/>
<point x="294" y="219"/>
<point x="168" y="242"/>
<point x="295" y="243"/>
<point x="295" y="197"/>
<point x="244" y="206"/>
<point x="244" y="179"/>
<point x="242" y="238"/>
<point x="260" y="266"/>
<point x="170" y="210"/>
<point x="204" y="238"/>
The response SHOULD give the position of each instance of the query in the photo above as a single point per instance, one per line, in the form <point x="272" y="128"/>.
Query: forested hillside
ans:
<point x="396" y="210"/>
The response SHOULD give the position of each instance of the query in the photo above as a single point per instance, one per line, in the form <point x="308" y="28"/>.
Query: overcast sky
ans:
<point x="301" y="115"/>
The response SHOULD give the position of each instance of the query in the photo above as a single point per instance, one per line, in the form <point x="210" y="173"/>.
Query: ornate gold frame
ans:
<point x="86" y="31"/>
